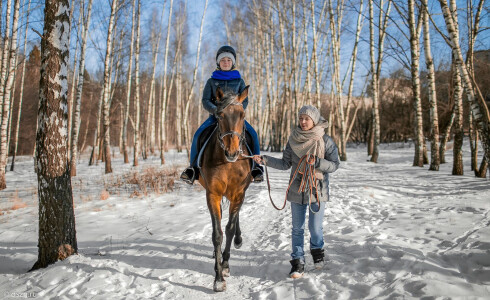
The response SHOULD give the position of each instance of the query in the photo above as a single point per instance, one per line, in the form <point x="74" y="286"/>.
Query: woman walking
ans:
<point x="307" y="140"/>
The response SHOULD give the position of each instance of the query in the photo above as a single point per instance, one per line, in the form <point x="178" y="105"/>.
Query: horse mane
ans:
<point x="229" y="97"/>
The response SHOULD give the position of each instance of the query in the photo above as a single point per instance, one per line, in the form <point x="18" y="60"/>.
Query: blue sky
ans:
<point x="214" y="34"/>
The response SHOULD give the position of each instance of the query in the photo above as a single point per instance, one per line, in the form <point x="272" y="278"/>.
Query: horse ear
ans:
<point x="243" y="94"/>
<point x="219" y="93"/>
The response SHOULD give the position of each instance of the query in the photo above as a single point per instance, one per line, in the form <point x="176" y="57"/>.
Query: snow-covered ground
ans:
<point x="392" y="231"/>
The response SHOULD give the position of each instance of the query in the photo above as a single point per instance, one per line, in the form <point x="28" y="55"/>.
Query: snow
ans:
<point x="392" y="231"/>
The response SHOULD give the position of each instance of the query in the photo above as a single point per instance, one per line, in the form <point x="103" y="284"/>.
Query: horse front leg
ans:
<point x="231" y="229"/>
<point x="214" y="205"/>
<point x="237" y="241"/>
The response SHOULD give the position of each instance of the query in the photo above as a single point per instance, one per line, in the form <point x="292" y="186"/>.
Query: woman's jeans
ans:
<point x="255" y="148"/>
<point x="315" y="225"/>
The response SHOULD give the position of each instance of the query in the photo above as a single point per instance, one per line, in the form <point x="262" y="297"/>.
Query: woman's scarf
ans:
<point x="304" y="142"/>
<point x="226" y="75"/>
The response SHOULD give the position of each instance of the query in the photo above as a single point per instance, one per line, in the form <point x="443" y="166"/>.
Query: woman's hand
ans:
<point x="258" y="159"/>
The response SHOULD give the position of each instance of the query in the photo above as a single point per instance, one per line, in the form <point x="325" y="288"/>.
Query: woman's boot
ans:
<point x="297" y="268"/>
<point x="318" y="255"/>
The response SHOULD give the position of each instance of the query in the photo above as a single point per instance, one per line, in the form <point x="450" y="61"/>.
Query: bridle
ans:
<point x="241" y="136"/>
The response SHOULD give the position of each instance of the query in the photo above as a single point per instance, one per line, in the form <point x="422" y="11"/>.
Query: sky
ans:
<point x="214" y="35"/>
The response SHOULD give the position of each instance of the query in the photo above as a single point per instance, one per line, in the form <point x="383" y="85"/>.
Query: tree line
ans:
<point x="144" y="97"/>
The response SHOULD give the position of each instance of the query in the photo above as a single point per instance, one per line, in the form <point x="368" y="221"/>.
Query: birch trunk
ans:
<point x="178" y="83"/>
<point x="4" y="64"/>
<point x="78" y="102"/>
<point x="95" y="145"/>
<point x="434" y="118"/>
<point x="445" y="137"/>
<point x="163" y="109"/>
<point x="352" y="63"/>
<point x="418" y="160"/>
<point x="137" y="89"/>
<point x="150" y="114"/>
<point x="458" y="123"/>
<point x="191" y="88"/>
<point x="21" y="88"/>
<point x="306" y="99"/>
<point x="128" y="89"/>
<point x="7" y="95"/>
<point x="376" y="129"/>
<point x="479" y="110"/>
<point x="57" y="234"/>
<point x="107" y="90"/>
<point x="73" y="82"/>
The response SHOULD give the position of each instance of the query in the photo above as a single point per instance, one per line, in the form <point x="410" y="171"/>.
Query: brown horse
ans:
<point x="224" y="173"/>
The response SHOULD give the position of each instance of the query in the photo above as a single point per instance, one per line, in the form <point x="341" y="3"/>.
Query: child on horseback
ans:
<point x="307" y="139"/>
<point x="228" y="79"/>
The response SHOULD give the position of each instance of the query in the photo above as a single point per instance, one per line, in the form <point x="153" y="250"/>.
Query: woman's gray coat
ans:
<point x="328" y="164"/>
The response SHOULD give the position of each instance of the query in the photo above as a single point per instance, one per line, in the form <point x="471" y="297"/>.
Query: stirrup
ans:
<point x="189" y="175"/>
<point x="257" y="175"/>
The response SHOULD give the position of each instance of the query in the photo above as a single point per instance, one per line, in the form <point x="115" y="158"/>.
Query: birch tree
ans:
<point x="191" y="88"/>
<point x="75" y="75"/>
<point x="6" y="90"/>
<point x="128" y="88"/>
<point x="434" y="118"/>
<point x="479" y="110"/>
<point x="21" y="87"/>
<point x="415" y="28"/>
<point x="78" y="102"/>
<point x="107" y="90"/>
<point x="376" y="68"/>
<point x="137" y="89"/>
<point x="57" y="234"/>
<point x="163" y="107"/>
<point x="155" y="50"/>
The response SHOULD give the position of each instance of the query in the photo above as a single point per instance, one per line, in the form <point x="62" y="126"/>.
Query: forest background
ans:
<point x="365" y="63"/>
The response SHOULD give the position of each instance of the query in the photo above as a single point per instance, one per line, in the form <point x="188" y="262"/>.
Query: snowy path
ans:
<point x="391" y="231"/>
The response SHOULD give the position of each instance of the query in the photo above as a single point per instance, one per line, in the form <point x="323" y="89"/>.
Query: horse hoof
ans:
<point x="219" y="286"/>
<point x="237" y="243"/>
<point x="226" y="272"/>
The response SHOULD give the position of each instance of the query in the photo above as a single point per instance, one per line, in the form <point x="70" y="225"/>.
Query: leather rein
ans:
<point x="306" y="167"/>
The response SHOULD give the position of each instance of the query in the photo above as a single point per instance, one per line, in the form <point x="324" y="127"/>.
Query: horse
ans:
<point x="224" y="173"/>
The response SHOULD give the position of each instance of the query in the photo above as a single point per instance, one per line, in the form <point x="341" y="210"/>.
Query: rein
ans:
<point x="306" y="167"/>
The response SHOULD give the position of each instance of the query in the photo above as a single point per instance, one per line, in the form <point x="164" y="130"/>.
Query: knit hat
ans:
<point x="226" y="51"/>
<point x="312" y="112"/>
<point x="223" y="55"/>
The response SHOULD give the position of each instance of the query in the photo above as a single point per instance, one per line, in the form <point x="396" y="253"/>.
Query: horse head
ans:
<point x="231" y="122"/>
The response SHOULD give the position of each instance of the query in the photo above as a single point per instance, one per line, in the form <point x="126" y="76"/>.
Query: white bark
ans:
<point x="21" y="87"/>
<point x="137" y="89"/>
<point x="107" y="89"/>
<point x="163" y="109"/>
<point x="128" y="88"/>
<point x="191" y="88"/>
<point x="479" y="110"/>
<point x="7" y="94"/>
<point x="78" y="102"/>
<point x="414" y="68"/>
<point x="434" y="119"/>
<point x="73" y="82"/>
